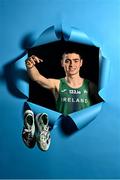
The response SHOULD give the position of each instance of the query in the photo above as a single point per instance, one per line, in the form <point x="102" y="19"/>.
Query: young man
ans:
<point x="72" y="93"/>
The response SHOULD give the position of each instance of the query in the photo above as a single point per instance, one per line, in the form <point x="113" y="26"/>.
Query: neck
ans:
<point x="74" y="80"/>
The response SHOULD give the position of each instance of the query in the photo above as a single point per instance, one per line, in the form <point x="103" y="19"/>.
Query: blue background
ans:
<point x="92" y="152"/>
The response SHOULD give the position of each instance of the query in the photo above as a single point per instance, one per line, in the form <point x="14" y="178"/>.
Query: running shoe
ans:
<point x="28" y="133"/>
<point x="43" y="133"/>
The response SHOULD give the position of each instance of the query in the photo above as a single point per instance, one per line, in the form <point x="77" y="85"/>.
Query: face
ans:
<point x="71" y="63"/>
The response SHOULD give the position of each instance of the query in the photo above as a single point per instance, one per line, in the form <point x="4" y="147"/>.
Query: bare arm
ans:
<point x="94" y="93"/>
<point x="35" y="75"/>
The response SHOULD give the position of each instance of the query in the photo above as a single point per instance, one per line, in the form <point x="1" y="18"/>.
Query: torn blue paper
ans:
<point x="82" y="117"/>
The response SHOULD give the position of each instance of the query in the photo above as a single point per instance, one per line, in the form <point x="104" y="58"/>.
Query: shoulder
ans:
<point x="93" y="87"/>
<point x="88" y="83"/>
<point x="55" y="82"/>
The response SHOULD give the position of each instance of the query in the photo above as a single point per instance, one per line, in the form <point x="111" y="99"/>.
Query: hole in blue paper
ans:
<point x="51" y="53"/>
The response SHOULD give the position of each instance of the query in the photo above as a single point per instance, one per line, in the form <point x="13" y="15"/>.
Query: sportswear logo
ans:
<point x="74" y="91"/>
<point x="85" y="91"/>
<point x="64" y="90"/>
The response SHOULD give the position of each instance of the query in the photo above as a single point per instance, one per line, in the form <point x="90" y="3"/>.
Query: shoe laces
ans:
<point x="45" y="137"/>
<point x="45" y="128"/>
<point x="29" y="131"/>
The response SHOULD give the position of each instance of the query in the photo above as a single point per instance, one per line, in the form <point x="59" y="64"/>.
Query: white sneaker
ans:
<point x="43" y="135"/>
<point x="28" y="133"/>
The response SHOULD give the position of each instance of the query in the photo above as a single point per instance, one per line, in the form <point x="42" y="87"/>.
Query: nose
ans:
<point x="71" y="63"/>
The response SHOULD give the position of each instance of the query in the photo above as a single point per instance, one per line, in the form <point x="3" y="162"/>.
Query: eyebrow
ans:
<point x="73" y="59"/>
<point x="76" y="59"/>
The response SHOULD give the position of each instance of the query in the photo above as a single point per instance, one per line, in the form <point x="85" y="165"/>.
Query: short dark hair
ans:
<point x="70" y="52"/>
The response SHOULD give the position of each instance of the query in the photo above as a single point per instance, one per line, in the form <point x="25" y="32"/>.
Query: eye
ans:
<point x="76" y="60"/>
<point x="67" y="61"/>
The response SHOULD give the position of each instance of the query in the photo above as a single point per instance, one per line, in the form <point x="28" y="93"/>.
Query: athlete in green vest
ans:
<point x="72" y="93"/>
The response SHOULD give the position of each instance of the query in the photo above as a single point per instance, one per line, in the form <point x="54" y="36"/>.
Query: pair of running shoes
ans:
<point x="36" y="129"/>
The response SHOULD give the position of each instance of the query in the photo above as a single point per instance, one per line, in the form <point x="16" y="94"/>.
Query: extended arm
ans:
<point x="35" y="75"/>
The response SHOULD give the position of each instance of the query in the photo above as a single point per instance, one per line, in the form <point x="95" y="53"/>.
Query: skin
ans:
<point x="71" y="62"/>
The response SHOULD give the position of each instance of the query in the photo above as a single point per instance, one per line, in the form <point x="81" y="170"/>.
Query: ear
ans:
<point x="81" y="63"/>
<point x="62" y="63"/>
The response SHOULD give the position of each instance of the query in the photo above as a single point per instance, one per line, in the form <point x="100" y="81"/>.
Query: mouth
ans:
<point x="72" y="69"/>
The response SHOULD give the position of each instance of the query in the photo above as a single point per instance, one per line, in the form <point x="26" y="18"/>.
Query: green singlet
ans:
<point x="73" y="99"/>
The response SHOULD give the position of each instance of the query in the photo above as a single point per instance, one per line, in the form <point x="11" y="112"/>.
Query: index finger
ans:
<point x="35" y="58"/>
<point x="40" y="60"/>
